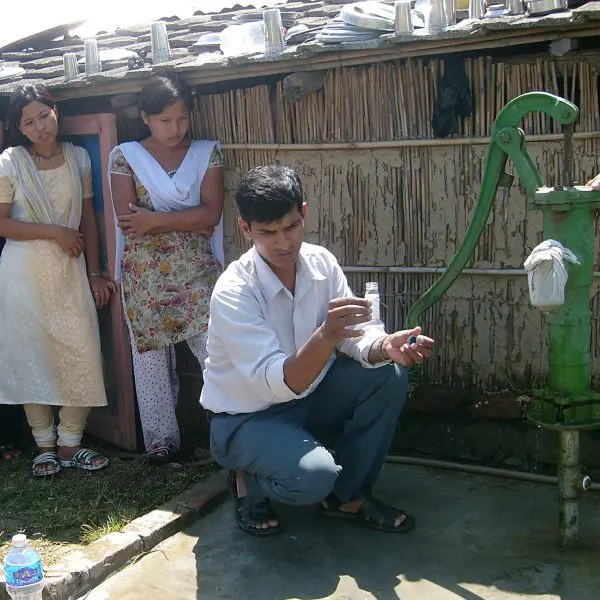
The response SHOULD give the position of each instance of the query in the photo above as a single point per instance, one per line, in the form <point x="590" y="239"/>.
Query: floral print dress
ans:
<point x="167" y="278"/>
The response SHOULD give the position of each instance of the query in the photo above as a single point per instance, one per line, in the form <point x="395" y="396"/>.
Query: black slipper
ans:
<point x="251" y="513"/>
<point x="372" y="513"/>
<point x="160" y="455"/>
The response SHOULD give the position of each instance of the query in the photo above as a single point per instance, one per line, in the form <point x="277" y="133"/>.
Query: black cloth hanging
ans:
<point x="453" y="100"/>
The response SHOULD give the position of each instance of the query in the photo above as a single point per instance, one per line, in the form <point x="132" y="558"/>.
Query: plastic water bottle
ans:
<point x="23" y="571"/>
<point x="372" y="294"/>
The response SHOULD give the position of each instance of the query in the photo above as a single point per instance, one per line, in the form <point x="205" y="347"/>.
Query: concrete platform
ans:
<point x="477" y="538"/>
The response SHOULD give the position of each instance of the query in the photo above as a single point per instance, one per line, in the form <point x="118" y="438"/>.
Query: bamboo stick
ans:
<point x="546" y="88"/>
<point x="340" y="107"/>
<point x="402" y="131"/>
<point x="540" y="86"/>
<point x="468" y="129"/>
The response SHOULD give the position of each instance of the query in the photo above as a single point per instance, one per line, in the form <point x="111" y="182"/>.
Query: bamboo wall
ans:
<point x="409" y="205"/>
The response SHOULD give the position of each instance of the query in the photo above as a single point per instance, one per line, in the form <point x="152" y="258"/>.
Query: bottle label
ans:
<point x="18" y="576"/>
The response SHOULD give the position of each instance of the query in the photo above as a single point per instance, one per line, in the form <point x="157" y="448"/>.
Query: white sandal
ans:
<point x="46" y="458"/>
<point x="84" y="459"/>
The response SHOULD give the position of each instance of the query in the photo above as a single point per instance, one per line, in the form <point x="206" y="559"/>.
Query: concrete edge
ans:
<point x="82" y="570"/>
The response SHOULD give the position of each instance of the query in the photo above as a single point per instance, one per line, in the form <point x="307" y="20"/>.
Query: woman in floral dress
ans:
<point x="168" y="197"/>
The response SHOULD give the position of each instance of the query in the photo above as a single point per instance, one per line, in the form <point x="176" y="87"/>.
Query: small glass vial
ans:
<point x="372" y="294"/>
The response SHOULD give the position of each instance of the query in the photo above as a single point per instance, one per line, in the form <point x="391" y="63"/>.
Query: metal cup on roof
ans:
<point x="403" y="17"/>
<point x="274" y="42"/>
<point x="93" y="64"/>
<point x="70" y="66"/>
<point x="161" y="51"/>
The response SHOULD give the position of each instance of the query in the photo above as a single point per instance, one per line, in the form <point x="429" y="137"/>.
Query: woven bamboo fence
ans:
<point x="384" y="194"/>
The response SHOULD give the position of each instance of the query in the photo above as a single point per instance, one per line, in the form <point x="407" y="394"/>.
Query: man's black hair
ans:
<point x="266" y="194"/>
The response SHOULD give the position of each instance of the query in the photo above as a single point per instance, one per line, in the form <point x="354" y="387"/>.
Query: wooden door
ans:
<point x="115" y="423"/>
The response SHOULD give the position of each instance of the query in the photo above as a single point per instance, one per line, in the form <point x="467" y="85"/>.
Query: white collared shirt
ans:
<point x="256" y="323"/>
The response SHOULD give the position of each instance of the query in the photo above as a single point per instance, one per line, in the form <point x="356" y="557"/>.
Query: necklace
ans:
<point x="42" y="157"/>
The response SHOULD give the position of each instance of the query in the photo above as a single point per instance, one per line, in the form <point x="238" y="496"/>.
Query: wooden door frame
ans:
<point x="119" y="429"/>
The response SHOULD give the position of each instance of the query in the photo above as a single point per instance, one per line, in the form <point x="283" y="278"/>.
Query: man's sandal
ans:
<point x="372" y="513"/>
<point x="249" y="514"/>
<point x="49" y="459"/>
<point x="84" y="459"/>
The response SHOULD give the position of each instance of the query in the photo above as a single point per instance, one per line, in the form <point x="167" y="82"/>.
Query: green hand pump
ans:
<point x="566" y="405"/>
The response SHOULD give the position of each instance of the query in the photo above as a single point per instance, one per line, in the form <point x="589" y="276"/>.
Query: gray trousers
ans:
<point x="280" y="449"/>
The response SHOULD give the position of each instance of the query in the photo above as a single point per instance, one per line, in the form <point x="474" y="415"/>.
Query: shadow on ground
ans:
<point x="476" y="538"/>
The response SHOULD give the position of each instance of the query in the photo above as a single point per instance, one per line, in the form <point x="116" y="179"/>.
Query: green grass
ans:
<point x="91" y="533"/>
<point x="76" y="508"/>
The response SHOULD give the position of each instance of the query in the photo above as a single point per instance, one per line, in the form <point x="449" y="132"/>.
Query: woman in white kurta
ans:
<point x="49" y="339"/>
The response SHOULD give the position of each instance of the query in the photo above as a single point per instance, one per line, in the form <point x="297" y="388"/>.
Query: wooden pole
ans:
<point x="381" y="145"/>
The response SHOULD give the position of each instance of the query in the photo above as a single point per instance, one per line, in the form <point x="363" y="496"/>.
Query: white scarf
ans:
<point x="40" y="205"/>
<point x="180" y="192"/>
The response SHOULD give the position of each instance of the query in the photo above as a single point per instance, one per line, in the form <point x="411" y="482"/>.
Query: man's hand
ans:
<point x="343" y="313"/>
<point x="594" y="183"/>
<point x="303" y="367"/>
<point x="139" y="222"/>
<point x="405" y="351"/>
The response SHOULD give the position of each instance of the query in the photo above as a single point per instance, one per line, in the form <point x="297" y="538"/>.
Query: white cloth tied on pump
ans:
<point x="547" y="274"/>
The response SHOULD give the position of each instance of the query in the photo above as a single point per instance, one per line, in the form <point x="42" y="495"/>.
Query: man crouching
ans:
<point x="295" y="362"/>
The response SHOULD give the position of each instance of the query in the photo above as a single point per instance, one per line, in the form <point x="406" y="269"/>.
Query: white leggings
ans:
<point x="157" y="387"/>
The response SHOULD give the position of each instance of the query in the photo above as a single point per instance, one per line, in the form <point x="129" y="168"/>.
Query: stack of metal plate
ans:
<point x="369" y="15"/>
<point x="337" y="31"/>
<point x="360" y="22"/>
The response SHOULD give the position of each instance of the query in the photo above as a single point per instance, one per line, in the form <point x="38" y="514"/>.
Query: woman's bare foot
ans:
<point x="242" y="492"/>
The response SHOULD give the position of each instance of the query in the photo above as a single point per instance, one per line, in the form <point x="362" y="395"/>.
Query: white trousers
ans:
<point x="157" y="388"/>
<point x="72" y="421"/>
